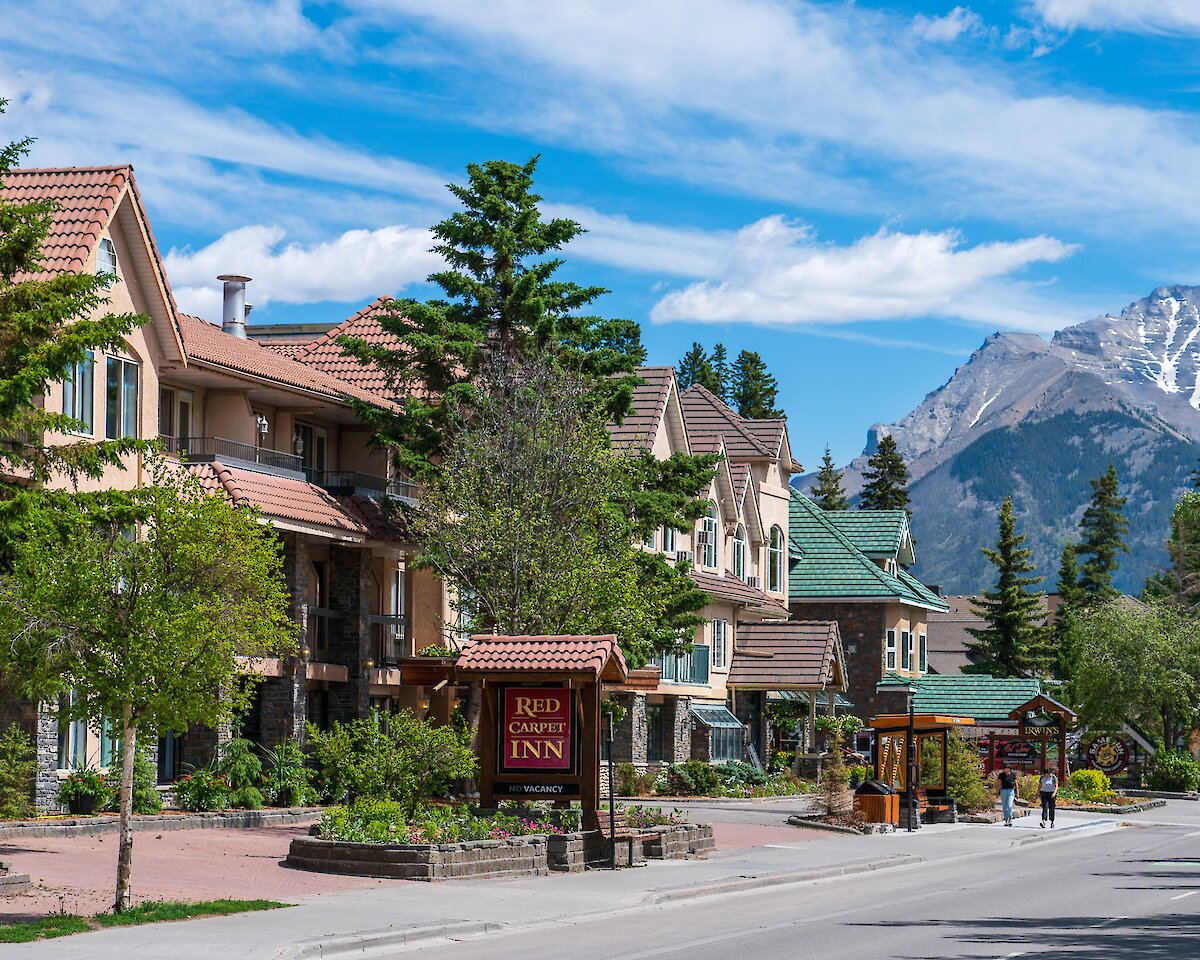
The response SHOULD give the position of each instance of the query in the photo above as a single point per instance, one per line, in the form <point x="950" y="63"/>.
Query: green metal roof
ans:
<point x="801" y="696"/>
<point x="877" y="533"/>
<point x="985" y="698"/>
<point x="825" y="563"/>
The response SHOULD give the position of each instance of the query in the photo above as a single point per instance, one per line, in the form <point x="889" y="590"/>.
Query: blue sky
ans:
<point x="859" y="191"/>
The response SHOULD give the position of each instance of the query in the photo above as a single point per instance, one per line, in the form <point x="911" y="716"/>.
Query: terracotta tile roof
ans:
<point x="595" y="655"/>
<point x="381" y="524"/>
<point x="86" y="198"/>
<point x="778" y="656"/>
<point x="207" y="343"/>
<point x="708" y="416"/>
<point x="324" y="353"/>
<point x="740" y="592"/>
<point x="649" y="404"/>
<point x="282" y="498"/>
<point x="283" y="347"/>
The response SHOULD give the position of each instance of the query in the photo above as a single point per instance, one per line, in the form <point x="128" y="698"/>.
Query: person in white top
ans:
<point x="1048" y="789"/>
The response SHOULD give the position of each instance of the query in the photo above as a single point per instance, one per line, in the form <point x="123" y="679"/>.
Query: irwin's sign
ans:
<point x="536" y="729"/>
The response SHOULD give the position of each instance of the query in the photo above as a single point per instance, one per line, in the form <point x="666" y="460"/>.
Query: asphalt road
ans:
<point x="1130" y="894"/>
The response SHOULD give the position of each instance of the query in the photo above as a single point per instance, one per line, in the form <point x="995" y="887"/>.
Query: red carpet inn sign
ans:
<point x="537" y="729"/>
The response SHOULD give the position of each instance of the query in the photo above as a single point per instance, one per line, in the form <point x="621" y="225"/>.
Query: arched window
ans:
<point x="775" y="561"/>
<point x="739" y="552"/>
<point x="709" y="537"/>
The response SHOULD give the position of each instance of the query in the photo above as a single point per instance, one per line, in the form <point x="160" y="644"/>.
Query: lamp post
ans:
<point x="910" y="747"/>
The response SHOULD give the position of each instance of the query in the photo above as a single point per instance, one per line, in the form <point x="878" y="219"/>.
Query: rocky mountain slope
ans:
<point x="1036" y="420"/>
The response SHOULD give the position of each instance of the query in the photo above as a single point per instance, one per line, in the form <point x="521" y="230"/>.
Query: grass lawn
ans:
<point x="64" y="924"/>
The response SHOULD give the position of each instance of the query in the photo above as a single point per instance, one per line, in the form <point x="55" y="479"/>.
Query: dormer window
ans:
<point x="708" y="538"/>
<point x="890" y="566"/>
<point x="739" y="552"/>
<point x="106" y="257"/>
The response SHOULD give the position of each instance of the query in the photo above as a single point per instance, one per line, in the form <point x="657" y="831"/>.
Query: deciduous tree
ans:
<point x="136" y="607"/>
<point x="1013" y="644"/>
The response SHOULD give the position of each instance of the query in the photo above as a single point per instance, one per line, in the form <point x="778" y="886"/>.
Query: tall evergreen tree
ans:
<point x="1179" y="583"/>
<point x="886" y="479"/>
<point x="503" y="300"/>
<point x="829" y="493"/>
<point x="722" y="376"/>
<point x="694" y="367"/>
<point x="1102" y="531"/>
<point x="1013" y="644"/>
<point x="1065" y="633"/>
<point x="754" y="391"/>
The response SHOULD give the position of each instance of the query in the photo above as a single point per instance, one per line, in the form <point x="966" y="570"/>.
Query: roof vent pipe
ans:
<point x="233" y="314"/>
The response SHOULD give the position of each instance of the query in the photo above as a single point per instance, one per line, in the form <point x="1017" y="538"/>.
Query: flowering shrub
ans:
<point x="382" y="821"/>
<point x="202" y="789"/>
<point x="639" y="817"/>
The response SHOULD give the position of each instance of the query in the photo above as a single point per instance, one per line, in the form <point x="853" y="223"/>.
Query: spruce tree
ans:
<point x="829" y="493"/>
<point x="753" y="390"/>
<point x="694" y="367"/>
<point x="721" y="374"/>
<point x="1013" y="644"/>
<point x="886" y="479"/>
<point x="1179" y="583"/>
<point x="502" y="300"/>
<point x="1102" y="530"/>
<point x="1065" y="633"/>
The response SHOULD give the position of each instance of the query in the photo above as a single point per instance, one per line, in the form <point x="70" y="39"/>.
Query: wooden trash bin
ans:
<point x="872" y="808"/>
<point x="893" y="809"/>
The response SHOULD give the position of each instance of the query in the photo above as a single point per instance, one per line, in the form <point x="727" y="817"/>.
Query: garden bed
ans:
<point x="473" y="859"/>
<point x="179" y="820"/>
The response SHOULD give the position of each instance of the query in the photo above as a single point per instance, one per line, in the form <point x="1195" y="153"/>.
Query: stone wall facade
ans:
<point x="477" y="859"/>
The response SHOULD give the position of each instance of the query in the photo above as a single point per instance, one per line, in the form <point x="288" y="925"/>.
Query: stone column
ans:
<point x="45" y="790"/>
<point x="678" y="711"/>
<point x="630" y="735"/>
<point x="350" y="594"/>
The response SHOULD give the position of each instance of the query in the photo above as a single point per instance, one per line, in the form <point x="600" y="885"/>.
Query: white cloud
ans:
<point x="947" y="29"/>
<point x="1137" y="16"/>
<point x="776" y="274"/>
<point x="358" y="265"/>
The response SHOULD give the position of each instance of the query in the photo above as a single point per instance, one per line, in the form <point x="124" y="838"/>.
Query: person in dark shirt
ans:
<point x="1008" y="790"/>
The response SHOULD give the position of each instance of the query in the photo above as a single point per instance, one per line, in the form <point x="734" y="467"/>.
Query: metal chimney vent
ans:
<point x="234" y="311"/>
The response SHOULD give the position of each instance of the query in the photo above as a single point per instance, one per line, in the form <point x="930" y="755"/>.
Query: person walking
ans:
<point x="1048" y="790"/>
<point x="1008" y="790"/>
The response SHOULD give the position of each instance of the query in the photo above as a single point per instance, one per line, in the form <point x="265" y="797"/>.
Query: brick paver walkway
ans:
<point x="77" y="874"/>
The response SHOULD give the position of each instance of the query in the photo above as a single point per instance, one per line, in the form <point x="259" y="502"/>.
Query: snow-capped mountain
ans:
<point x="1036" y="420"/>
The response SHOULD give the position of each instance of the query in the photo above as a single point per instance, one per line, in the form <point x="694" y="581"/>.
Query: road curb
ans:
<point x="1098" y="826"/>
<point x="738" y="884"/>
<point x="359" y="944"/>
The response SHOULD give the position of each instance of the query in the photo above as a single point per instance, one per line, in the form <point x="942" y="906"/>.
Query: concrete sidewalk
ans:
<point x="344" y="923"/>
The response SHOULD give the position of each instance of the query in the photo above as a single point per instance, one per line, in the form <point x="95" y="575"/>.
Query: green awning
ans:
<point x="714" y="716"/>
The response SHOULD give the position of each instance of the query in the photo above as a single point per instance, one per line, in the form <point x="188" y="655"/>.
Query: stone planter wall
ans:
<point x="90" y="826"/>
<point x="678" y="842"/>
<point x="476" y="859"/>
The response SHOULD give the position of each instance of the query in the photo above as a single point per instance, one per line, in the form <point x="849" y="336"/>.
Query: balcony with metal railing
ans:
<point x="232" y="452"/>
<point x="691" y="668"/>
<point x="389" y="638"/>
<point x="350" y="482"/>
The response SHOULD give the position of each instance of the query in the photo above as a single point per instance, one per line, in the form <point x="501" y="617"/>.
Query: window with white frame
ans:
<point x="775" y="561"/>
<point x="311" y="445"/>
<point x="668" y="539"/>
<point x="889" y="650"/>
<point x="651" y="540"/>
<point x="922" y="654"/>
<point x="121" y="398"/>
<point x="720" y="637"/>
<point x="78" y="393"/>
<point x="740" y="546"/>
<point x="72" y="738"/>
<point x="106" y="257"/>
<point x="709" y="534"/>
<point x="905" y="650"/>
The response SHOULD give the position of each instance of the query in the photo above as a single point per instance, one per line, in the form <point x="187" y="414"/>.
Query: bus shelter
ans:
<point x="909" y="757"/>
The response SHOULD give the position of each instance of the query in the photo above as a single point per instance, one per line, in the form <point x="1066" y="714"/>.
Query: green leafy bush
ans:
<point x="735" y="773"/>
<point x="639" y="817"/>
<point x="368" y="820"/>
<point x="86" y="783"/>
<point x="964" y="780"/>
<point x="1091" y="784"/>
<point x="286" y="781"/>
<point x="201" y="790"/>
<point x="146" y="798"/>
<point x="242" y="770"/>
<point x="18" y="767"/>
<point x="627" y="779"/>
<point x="1173" y="770"/>
<point x="693" y="777"/>
<point x="389" y="757"/>
<point x="1028" y="787"/>
<point x="856" y="774"/>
